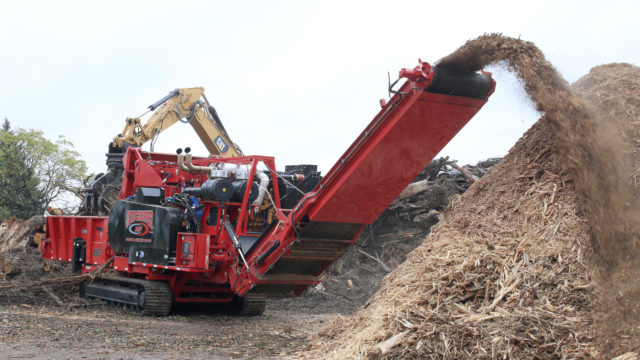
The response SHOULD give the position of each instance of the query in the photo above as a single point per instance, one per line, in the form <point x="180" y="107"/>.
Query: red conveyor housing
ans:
<point x="389" y="154"/>
<point x="400" y="141"/>
<point x="419" y="120"/>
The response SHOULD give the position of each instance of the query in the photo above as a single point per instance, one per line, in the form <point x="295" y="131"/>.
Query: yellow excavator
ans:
<point x="188" y="105"/>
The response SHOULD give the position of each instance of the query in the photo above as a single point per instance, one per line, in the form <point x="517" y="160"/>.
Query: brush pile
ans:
<point x="22" y="268"/>
<point x="27" y="279"/>
<point x="409" y="218"/>
<point x="511" y="270"/>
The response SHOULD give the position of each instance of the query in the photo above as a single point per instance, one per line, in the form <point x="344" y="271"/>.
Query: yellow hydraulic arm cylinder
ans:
<point x="187" y="105"/>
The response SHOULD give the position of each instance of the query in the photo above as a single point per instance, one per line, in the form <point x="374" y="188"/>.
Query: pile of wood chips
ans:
<point x="614" y="89"/>
<point x="511" y="270"/>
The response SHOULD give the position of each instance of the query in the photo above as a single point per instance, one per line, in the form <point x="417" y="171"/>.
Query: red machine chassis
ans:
<point x="292" y="251"/>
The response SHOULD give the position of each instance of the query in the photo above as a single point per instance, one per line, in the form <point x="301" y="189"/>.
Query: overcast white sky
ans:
<point x="297" y="80"/>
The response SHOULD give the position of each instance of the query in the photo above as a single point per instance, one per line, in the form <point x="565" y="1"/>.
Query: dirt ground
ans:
<point x="94" y="330"/>
<point x="103" y="332"/>
<point x="33" y="326"/>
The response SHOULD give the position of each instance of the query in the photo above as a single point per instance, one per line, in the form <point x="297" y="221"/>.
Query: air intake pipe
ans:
<point x="188" y="161"/>
<point x="262" y="190"/>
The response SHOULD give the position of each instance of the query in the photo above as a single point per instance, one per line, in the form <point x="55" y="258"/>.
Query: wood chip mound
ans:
<point x="614" y="89"/>
<point x="511" y="270"/>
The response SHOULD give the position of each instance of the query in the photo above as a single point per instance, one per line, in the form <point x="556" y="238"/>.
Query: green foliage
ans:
<point x="57" y="165"/>
<point x="28" y="158"/>
<point x="19" y="193"/>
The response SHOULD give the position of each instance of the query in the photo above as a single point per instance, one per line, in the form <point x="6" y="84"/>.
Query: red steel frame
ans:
<point x="207" y="270"/>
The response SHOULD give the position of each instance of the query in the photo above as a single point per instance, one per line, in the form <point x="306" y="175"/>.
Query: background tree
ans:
<point x="19" y="192"/>
<point x="57" y="165"/>
<point x="36" y="172"/>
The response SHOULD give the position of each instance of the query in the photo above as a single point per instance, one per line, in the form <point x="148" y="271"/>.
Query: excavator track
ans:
<point x="145" y="297"/>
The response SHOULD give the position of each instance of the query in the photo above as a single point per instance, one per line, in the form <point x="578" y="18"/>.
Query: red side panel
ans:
<point x="391" y="152"/>
<point x="62" y="230"/>
<point x="193" y="250"/>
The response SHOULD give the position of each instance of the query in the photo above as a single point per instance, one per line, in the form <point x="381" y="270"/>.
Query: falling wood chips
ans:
<point x="508" y="272"/>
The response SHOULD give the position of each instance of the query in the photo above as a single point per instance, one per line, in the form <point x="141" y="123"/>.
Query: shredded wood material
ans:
<point x="614" y="89"/>
<point x="509" y="272"/>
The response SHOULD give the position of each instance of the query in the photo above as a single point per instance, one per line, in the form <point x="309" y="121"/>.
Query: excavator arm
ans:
<point x="187" y="106"/>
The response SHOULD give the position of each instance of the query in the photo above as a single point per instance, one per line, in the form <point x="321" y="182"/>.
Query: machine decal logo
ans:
<point x="139" y="224"/>
<point x="139" y="228"/>
<point x="221" y="144"/>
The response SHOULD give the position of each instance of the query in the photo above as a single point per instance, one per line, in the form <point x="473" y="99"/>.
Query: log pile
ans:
<point x="16" y="233"/>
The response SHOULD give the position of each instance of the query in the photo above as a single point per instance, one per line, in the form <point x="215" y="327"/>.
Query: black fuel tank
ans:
<point x="239" y="187"/>
<point x="147" y="233"/>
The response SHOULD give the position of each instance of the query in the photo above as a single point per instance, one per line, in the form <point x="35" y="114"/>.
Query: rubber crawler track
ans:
<point x="156" y="295"/>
